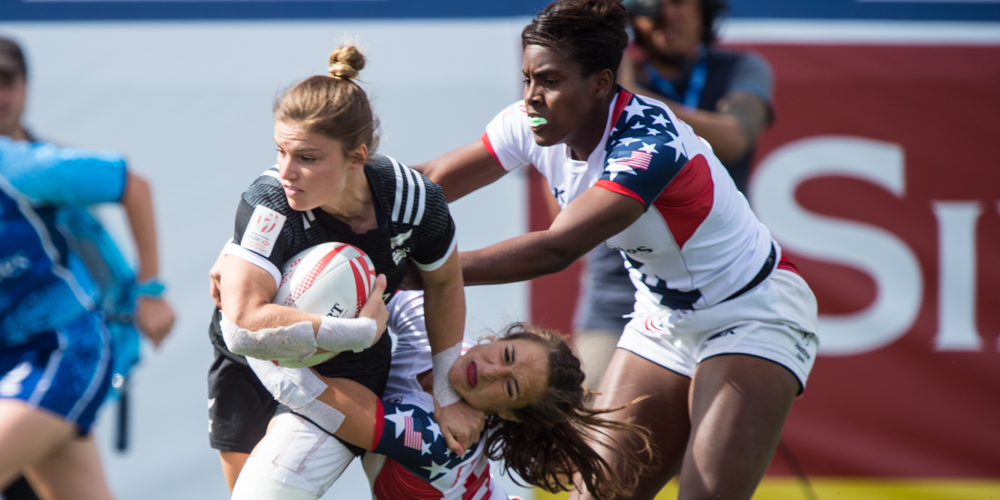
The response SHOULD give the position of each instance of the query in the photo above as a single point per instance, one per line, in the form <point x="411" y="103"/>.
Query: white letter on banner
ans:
<point x="957" y="261"/>
<point x="877" y="252"/>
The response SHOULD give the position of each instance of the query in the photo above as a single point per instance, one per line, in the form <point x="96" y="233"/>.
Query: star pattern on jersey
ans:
<point x="635" y="108"/>
<point x="638" y="157"/>
<point x="616" y="169"/>
<point x="677" y="145"/>
<point x="436" y="469"/>
<point x="399" y="420"/>
<point x="648" y="148"/>
<point x="430" y="459"/>
<point x="435" y="428"/>
<point x="625" y="162"/>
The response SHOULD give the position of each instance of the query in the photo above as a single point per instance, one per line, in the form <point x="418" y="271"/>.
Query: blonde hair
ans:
<point x="333" y="105"/>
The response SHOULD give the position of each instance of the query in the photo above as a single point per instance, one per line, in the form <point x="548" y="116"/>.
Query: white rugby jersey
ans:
<point x="698" y="242"/>
<point x="413" y="460"/>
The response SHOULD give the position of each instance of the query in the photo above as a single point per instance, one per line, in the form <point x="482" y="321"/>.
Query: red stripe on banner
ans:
<point x="624" y="97"/>
<point x="485" y="138"/>
<point x="687" y="200"/>
<point x="379" y="424"/>
<point x="618" y="188"/>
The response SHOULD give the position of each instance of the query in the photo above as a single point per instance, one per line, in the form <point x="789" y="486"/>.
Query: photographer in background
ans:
<point x="725" y="96"/>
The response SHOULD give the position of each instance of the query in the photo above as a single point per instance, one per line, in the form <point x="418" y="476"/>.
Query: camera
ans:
<point x="649" y="8"/>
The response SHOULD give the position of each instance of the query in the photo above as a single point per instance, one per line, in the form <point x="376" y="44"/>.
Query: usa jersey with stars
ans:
<point x="697" y="243"/>
<point x="411" y="459"/>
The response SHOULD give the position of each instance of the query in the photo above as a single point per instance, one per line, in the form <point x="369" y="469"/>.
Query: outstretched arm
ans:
<point x="353" y="413"/>
<point x="593" y="217"/>
<point x="444" y="306"/>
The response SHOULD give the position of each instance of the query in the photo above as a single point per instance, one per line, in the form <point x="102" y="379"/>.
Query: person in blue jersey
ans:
<point x="526" y="380"/>
<point x="723" y="330"/>
<point x="55" y="361"/>
<point x="129" y="307"/>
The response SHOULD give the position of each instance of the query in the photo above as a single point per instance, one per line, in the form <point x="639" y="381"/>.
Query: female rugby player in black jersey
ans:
<point x="329" y="186"/>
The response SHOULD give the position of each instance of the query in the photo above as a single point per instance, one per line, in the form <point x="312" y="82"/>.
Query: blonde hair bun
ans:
<point x="345" y="62"/>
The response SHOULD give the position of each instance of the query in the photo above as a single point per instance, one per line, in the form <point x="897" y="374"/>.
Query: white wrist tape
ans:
<point x="346" y="334"/>
<point x="292" y="387"/>
<point x="298" y="388"/>
<point x="442" y="362"/>
<point x="295" y="341"/>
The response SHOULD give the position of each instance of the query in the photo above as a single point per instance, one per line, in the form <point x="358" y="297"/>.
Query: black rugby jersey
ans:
<point x="413" y="223"/>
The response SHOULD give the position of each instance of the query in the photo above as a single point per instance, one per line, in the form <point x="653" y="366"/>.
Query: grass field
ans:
<point x="837" y="489"/>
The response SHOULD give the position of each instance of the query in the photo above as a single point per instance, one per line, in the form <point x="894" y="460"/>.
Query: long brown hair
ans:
<point x="334" y="105"/>
<point x="555" y="437"/>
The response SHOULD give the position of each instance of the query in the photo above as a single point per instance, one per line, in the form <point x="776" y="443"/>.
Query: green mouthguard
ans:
<point x="537" y="120"/>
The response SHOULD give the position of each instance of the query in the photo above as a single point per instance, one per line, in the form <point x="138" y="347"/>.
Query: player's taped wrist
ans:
<point x="346" y="334"/>
<point x="442" y="362"/>
<point x="298" y="389"/>
<point x="295" y="341"/>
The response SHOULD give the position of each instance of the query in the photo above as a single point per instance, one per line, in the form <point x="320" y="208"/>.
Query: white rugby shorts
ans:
<point x="776" y="320"/>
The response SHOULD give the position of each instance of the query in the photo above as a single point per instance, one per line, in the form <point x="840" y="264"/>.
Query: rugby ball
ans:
<point x="329" y="279"/>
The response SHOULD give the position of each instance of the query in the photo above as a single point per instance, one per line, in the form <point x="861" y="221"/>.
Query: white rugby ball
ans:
<point x="329" y="279"/>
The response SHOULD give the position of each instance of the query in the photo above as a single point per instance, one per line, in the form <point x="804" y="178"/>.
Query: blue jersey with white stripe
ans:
<point x="37" y="292"/>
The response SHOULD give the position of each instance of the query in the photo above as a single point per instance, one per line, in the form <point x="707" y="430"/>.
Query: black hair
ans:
<point x="590" y="32"/>
<point x="711" y="12"/>
<point x="11" y="49"/>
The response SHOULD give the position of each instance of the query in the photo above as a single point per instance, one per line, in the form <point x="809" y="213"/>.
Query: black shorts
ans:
<point x="239" y="407"/>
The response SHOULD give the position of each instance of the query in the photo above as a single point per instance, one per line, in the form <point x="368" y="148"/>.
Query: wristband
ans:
<point x="346" y="334"/>
<point x="152" y="288"/>
<point x="442" y="362"/>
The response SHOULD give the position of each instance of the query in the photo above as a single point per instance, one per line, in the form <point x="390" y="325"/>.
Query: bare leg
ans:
<point x="42" y="445"/>
<point x="665" y="413"/>
<point x="28" y="436"/>
<point x="232" y="464"/>
<point x="738" y="407"/>
<point x="595" y="348"/>
<point x="73" y="472"/>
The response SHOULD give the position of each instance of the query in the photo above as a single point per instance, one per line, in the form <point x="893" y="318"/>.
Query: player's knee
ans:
<point x="298" y="454"/>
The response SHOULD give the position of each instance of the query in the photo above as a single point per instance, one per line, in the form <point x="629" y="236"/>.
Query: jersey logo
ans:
<point x="560" y="195"/>
<point x="14" y="266"/>
<point x="627" y="161"/>
<point x="262" y="231"/>
<point x="399" y="248"/>
<point x="10" y="385"/>
<point x="403" y="422"/>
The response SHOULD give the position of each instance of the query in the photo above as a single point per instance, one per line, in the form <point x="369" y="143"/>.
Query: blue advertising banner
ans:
<point x="104" y="10"/>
